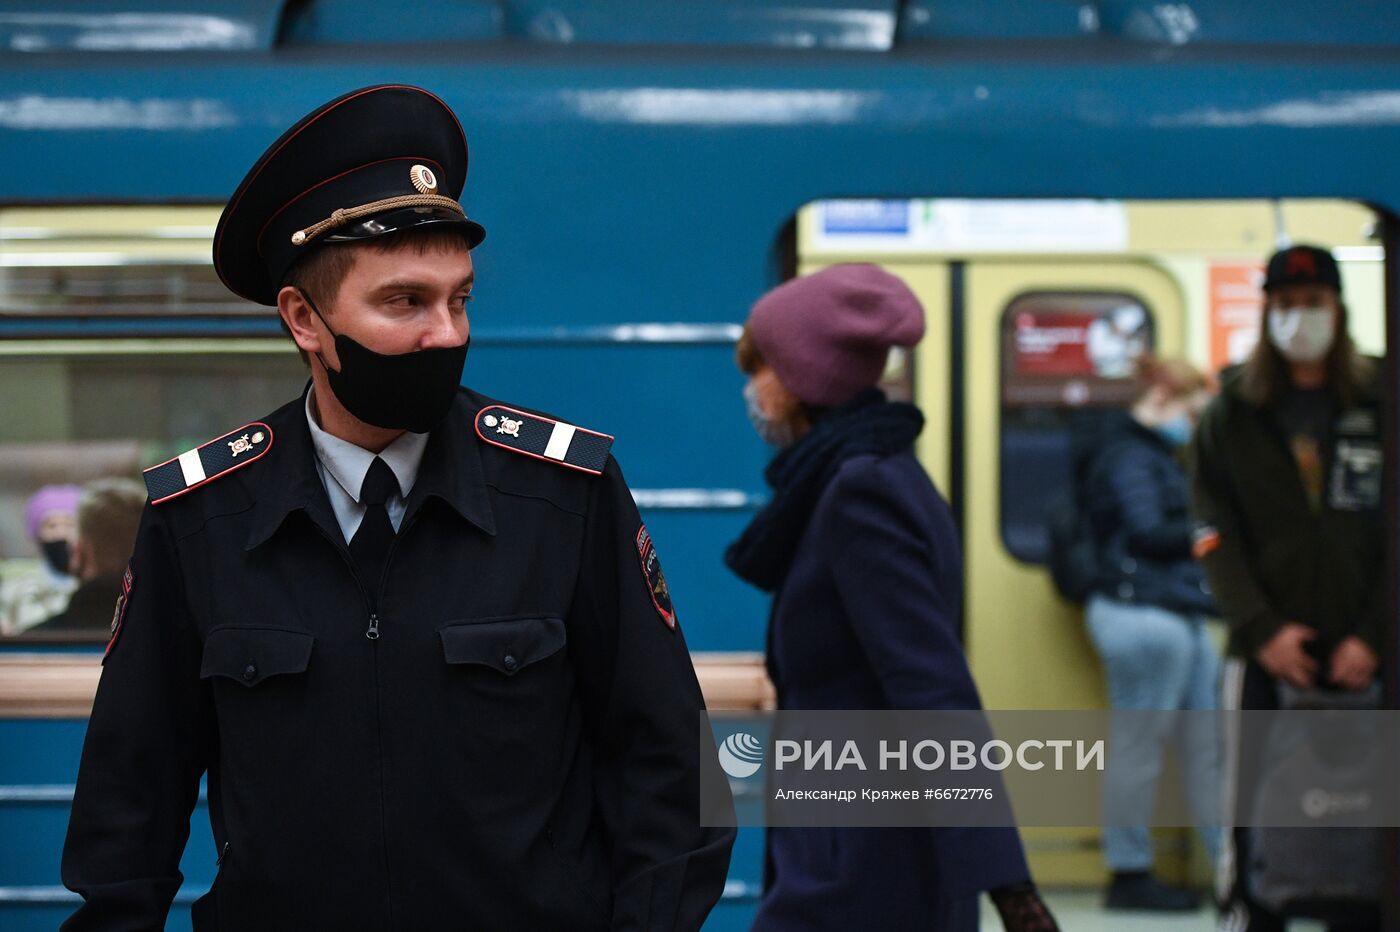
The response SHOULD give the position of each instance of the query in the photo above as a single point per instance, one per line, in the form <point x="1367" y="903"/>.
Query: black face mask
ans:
<point x="404" y="391"/>
<point x="56" y="555"/>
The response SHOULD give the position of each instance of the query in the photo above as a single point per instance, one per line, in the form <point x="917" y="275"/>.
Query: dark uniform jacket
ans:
<point x="517" y="750"/>
<point x="1138" y="500"/>
<point x="867" y="618"/>
<point x="1270" y="555"/>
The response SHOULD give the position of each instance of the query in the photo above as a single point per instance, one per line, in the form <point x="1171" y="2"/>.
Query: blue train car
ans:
<point x="642" y="167"/>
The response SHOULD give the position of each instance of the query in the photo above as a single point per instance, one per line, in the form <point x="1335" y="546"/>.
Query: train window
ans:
<point x="1065" y="357"/>
<point x="110" y="263"/>
<point x="119" y="348"/>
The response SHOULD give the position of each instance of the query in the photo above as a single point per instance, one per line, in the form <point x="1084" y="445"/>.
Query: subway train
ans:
<point x="1033" y="169"/>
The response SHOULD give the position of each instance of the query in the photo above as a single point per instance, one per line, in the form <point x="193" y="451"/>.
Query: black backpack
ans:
<point x="1073" y="557"/>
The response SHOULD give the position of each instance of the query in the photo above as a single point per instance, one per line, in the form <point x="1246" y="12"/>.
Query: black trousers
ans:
<point x="1246" y="685"/>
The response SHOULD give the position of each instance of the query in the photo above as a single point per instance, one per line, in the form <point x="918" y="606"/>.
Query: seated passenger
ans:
<point x="1146" y="618"/>
<point x="31" y="593"/>
<point x="108" y="515"/>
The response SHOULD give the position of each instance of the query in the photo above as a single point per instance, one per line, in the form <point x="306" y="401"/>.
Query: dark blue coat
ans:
<point x="1139" y="509"/>
<point x="867" y="619"/>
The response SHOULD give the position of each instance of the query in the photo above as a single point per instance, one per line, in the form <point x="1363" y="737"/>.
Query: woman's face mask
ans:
<point x="57" y="555"/>
<point x="1302" y="334"/>
<point x="1176" y="431"/>
<point x="775" y="433"/>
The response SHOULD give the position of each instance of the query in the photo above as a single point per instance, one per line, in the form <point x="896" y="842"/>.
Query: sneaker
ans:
<point x="1139" y="890"/>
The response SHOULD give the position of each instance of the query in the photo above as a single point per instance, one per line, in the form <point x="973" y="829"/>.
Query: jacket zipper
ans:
<point x="372" y="634"/>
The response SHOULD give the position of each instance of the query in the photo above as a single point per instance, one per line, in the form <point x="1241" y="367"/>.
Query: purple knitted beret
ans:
<point x="50" y="498"/>
<point x="827" y="335"/>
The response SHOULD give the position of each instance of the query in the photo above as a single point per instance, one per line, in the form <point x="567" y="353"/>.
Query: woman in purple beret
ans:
<point x="862" y="557"/>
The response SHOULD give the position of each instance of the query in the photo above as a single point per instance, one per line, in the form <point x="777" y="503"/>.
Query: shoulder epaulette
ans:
<point x="216" y="458"/>
<point x="543" y="438"/>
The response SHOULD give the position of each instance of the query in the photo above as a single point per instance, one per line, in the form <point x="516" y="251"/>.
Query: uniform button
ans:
<point x="509" y="662"/>
<point x="1125" y="591"/>
<point x="249" y="672"/>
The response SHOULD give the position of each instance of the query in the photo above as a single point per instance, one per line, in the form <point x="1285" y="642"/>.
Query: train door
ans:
<point x="1044" y="344"/>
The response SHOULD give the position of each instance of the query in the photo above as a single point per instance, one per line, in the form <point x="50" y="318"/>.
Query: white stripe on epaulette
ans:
<point x="192" y="468"/>
<point x="559" y="440"/>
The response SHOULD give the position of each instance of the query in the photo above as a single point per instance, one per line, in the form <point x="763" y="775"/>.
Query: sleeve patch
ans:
<point x="1204" y="541"/>
<point x="655" y="579"/>
<point x="119" y="613"/>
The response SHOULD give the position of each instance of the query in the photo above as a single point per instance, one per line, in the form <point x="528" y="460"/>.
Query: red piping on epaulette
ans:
<point x="476" y="424"/>
<point x="368" y="90"/>
<point x="207" y="479"/>
<point x="396" y="158"/>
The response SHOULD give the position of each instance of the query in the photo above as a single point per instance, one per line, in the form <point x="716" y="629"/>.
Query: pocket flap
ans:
<point x="507" y="645"/>
<point x="251" y="655"/>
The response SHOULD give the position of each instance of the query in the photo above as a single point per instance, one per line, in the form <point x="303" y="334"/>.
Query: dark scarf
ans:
<point x="868" y="424"/>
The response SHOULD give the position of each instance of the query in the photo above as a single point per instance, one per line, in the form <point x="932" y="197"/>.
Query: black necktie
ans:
<point x="370" y="546"/>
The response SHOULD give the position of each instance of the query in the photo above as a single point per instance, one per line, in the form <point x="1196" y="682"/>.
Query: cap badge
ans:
<point x="245" y="443"/>
<point x="424" y="181"/>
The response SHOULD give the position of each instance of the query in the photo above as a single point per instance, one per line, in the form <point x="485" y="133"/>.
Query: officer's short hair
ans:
<point x="320" y="273"/>
<point x="109" y="512"/>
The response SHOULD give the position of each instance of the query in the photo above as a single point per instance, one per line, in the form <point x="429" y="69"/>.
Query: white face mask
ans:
<point x="1302" y="334"/>
<point x="775" y="433"/>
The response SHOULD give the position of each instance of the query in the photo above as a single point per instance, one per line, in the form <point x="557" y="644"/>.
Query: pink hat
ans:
<point x="50" y="498"/>
<point x="828" y="335"/>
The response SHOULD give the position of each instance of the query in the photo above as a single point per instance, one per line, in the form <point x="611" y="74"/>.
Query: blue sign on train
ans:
<point x="889" y="218"/>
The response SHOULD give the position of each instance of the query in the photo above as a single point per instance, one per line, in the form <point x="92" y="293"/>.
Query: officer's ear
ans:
<point x="300" y="320"/>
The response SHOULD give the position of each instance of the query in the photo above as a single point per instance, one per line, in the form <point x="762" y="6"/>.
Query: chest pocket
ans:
<point x="251" y="655"/>
<point x="506" y="645"/>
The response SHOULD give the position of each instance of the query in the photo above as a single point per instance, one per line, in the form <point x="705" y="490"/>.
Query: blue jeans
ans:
<point x="1154" y="659"/>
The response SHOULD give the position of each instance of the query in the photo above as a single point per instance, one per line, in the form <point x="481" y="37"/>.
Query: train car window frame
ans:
<point x="119" y="348"/>
<point x="1079" y="397"/>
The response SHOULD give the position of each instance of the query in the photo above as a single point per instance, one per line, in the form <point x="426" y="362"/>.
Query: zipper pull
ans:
<point x="222" y="854"/>
<point x="373" y="632"/>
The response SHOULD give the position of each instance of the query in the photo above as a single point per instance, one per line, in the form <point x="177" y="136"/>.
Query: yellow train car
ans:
<point x="1035" y="309"/>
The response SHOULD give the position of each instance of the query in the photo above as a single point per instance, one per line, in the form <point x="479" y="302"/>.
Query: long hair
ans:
<point x="1264" y="376"/>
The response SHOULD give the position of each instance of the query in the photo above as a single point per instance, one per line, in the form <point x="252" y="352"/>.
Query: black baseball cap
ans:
<point x="1302" y="265"/>
<point x="373" y="161"/>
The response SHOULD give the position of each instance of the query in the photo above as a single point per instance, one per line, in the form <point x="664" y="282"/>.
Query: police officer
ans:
<point x="419" y="640"/>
